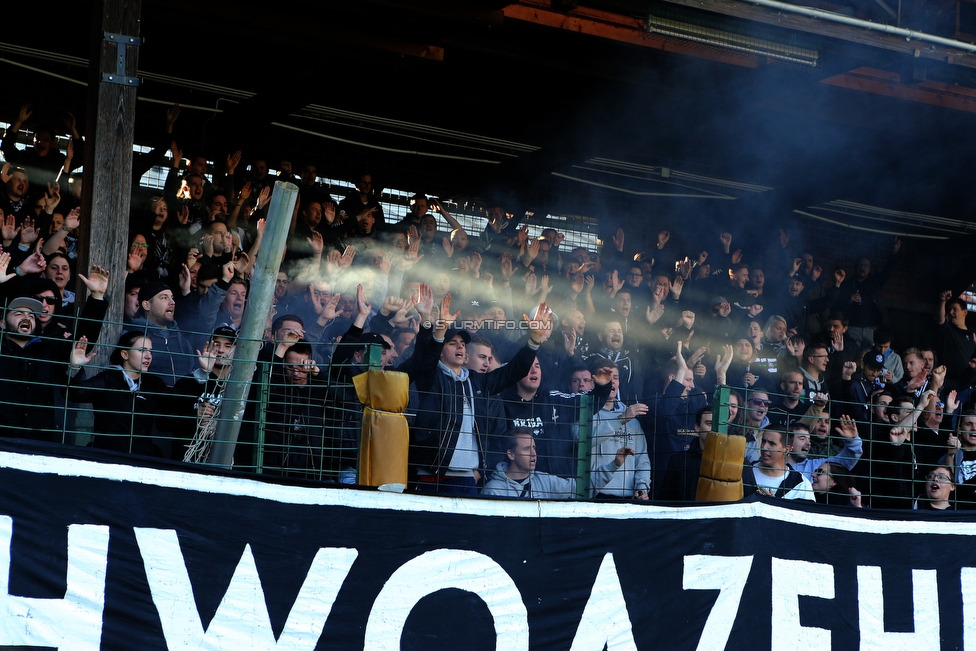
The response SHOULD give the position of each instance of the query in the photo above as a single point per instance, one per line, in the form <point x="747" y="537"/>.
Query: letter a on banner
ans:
<point x="870" y="605"/>
<point x="242" y="620"/>
<point x="441" y="569"/>
<point x="605" y="619"/>
<point x="74" y="622"/>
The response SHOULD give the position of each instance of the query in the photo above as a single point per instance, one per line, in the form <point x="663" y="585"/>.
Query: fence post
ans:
<point x="263" y="395"/>
<point x="583" y="448"/>
<point x="255" y="320"/>
<point x="720" y="409"/>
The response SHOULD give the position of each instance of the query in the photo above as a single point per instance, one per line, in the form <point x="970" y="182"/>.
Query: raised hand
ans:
<point x="938" y="376"/>
<point x="244" y="193"/>
<point x="815" y="273"/>
<point x="172" y="113"/>
<point x="232" y="161"/>
<point x="541" y="327"/>
<point x="531" y="285"/>
<point x="474" y="262"/>
<point x="784" y="238"/>
<point x="78" y="356"/>
<point x="207" y="358"/>
<point x="329" y="212"/>
<point x="73" y="219"/>
<point x="412" y="255"/>
<point x="448" y="247"/>
<point x="849" y="369"/>
<point x="28" y="234"/>
<point x="945" y="296"/>
<point x="662" y="238"/>
<point x="634" y="410"/>
<point x="10" y="229"/>
<point x="24" y="114"/>
<point x="52" y="197"/>
<point x="4" y="263"/>
<point x="654" y="313"/>
<point x="507" y="268"/>
<point x="736" y="256"/>
<point x="264" y="197"/>
<point x="345" y="260"/>
<point x="697" y="355"/>
<point x="425" y="303"/>
<point x="617" y="282"/>
<point x="185" y="279"/>
<point x="726" y="240"/>
<point x="839" y="276"/>
<point x="34" y="264"/>
<point x="316" y="242"/>
<point x="847" y="427"/>
<point x="183" y="215"/>
<point x="618" y="240"/>
<point x="577" y="284"/>
<point x="96" y="281"/>
<point x="951" y="404"/>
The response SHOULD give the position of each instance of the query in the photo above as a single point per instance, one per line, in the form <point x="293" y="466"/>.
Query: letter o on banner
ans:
<point x="441" y="569"/>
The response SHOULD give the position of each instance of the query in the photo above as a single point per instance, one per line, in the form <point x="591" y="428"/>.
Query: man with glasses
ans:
<point x="936" y="490"/>
<point x="814" y="369"/>
<point x="753" y="422"/>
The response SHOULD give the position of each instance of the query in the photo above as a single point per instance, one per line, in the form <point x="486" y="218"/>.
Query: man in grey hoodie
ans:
<point x="518" y="477"/>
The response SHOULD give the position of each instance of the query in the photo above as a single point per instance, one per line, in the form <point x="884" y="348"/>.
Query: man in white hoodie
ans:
<point x="518" y="477"/>
<point x="616" y="426"/>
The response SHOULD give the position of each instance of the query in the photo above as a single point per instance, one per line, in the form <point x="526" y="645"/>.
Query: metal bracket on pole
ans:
<point x="121" y="42"/>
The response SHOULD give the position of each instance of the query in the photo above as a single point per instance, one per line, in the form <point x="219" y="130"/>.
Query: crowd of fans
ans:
<point x="501" y="334"/>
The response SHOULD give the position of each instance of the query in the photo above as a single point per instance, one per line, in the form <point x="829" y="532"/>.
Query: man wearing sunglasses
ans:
<point x="754" y="421"/>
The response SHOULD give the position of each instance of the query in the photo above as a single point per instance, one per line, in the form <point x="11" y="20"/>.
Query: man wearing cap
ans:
<point x="30" y="367"/>
<point x="197" y="397"/>
<point x="173" y="351"/>
<point x="446" y="446"/>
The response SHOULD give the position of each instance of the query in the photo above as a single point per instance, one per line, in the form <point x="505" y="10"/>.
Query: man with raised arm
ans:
<point x="446" y="440"/>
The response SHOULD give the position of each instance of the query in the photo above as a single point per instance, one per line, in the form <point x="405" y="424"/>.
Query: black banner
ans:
<point x="99" y="554"/>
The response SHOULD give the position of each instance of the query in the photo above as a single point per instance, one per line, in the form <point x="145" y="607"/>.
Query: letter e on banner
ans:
<point x="74" y="622"/>
<point x="728" y="575"/>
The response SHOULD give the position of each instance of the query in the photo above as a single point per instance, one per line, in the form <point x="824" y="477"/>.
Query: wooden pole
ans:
<point x="104" y="232"/>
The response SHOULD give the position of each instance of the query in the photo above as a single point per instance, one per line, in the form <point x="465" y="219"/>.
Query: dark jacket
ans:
<point x="434" y="435"/>
<point x="123" y="417"/>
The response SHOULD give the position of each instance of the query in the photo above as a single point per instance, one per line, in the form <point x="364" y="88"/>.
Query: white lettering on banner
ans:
<point x="74" y="622"/>
<point x="242" y="620"/>
<point x="967" y="576"/>
<point x="441" y="569"/>
<point x="870" y="605"/>
<point x="790" y="579"/>
<point x="605" y="619"/>
<point x="728" y="575"/>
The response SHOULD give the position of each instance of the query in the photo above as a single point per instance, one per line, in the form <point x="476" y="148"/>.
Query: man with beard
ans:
<point x="612" y="348"/>
<point x="173" y="348"/>
<point x="29" y="367"/>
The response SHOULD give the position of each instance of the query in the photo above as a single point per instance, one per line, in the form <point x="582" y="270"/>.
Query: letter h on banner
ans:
<point x="74" y="622"/>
